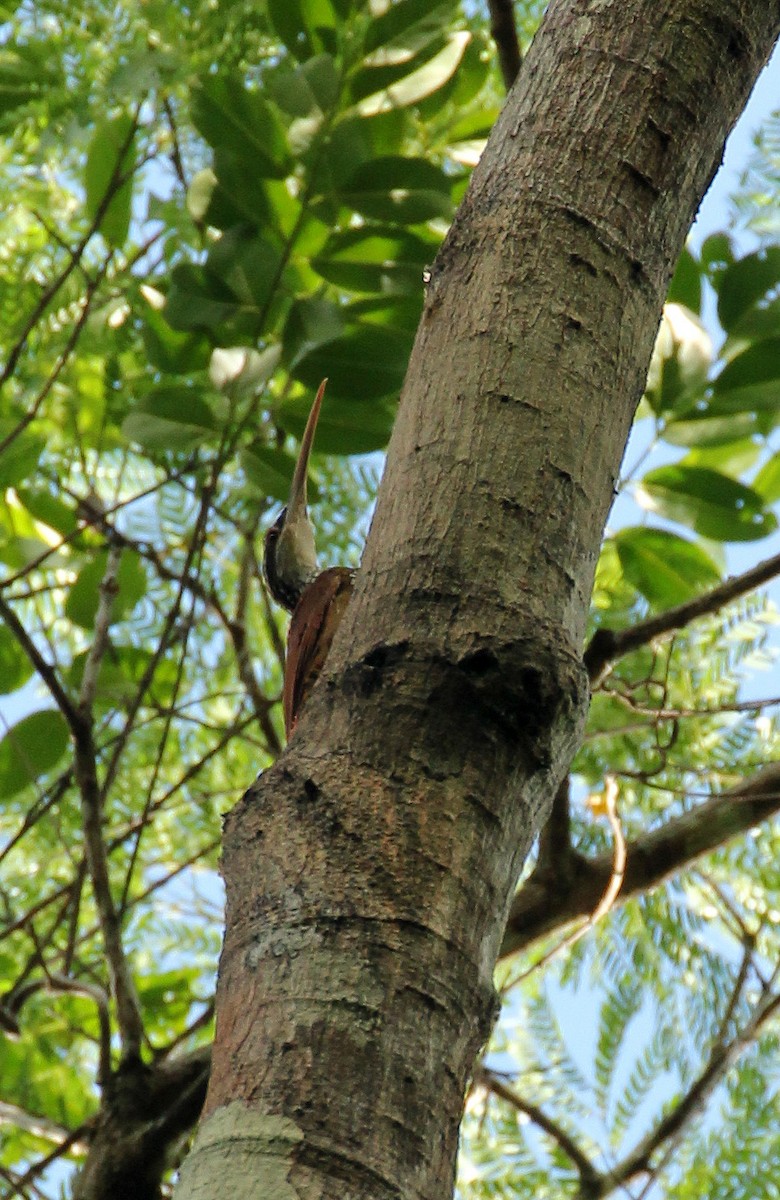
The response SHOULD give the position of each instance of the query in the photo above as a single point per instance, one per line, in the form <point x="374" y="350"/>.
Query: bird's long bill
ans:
<point x="297" y="499"/>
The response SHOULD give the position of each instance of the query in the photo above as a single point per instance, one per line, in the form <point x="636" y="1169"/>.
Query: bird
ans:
<point x="317" y="599"/>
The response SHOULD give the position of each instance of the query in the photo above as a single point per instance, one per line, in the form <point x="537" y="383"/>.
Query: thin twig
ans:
<point x="540" y="906"/>
<point x="64" y="983"/>
<point x="72" y="1143"/>
<point x="45" y="670"/>
<point x="118" y="178"/>
<point x="504" y="33"/>
<point x="162" y="744"/>
<point x="85" y="764"/>
<point x="671" y="1127"/>
<point x="42" y="1127"/>
<point x="162" y="642"/>
<point x="610" y="893"/>
<point x="487" y="1079"/>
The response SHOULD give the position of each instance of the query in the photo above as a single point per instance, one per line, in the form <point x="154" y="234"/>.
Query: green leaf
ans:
<point x="20" y="539"/>
<point x="310" y="322"/>
<point x="312" y="86"/>
<point x="400" y="20"/>
<point x="403" y="190"/>
<point x="732" y="458"/>
<point x="474" y="125"/>
<point x="716" y="255"/>
<point x="20" y="458"/>
<point x="665" y="568"/>
<point x="762" y="321"/>
<point x="685" y="287"/>
<point x="111" y="158"/>
<point x="27" y="72"/>
<point x="466" y="83"/>
<point x="199" y="193"/>
<point x="238" y="370"/>
<point x="30" y="749"/>
<point x="121" y="671"/>
<point x="751" y="380"/>
<point x="348" y="144"/>
<point x="170" y="350"/>
<point x="345" y="426"/>
<point x="745" y="282"/>
<point x="422" y="82"/>
<point x="398" y="312"/>
<point x="248" y="264"/>
<point x="714" y="505"/>
<point x="767" y="481"/>
<point x="321" y="74"/>
<point x="82" y="603"/>
<point x="704" y="429"/>
<point x="270" y="470"/>
<point x="170" y="418"/>
<point x="49" y="509"/>
<point x="305" y="26"/>
<point x="197" y="301"/>
<point x="375" y="260"/>
<point x="240" y="195"/>
<point x="15" y="667"/>
<point x="234" y="118"/>
<point x="365" y="363"/>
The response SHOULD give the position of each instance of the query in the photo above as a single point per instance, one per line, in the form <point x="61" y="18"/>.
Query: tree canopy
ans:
<point x="207" y="208"/>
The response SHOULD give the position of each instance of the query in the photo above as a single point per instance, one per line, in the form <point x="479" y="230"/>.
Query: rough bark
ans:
<point x="145" y="1112"/>
<point x="369" y="873"/>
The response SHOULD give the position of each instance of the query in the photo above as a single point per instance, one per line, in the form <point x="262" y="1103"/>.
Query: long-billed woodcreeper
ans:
<point x="317" y="599"/>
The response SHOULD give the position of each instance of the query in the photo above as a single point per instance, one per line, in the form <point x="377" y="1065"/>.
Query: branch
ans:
<point x="504" y="34"/>
<point x="85" y="766"/>
<point x="67" y="889"/>
<point x="587" y="1172"/>
<point x="544" y="904"/>
<point x="555" y="838"/>
<point x="39" y="809"/>
<point x="72" y="1143"/>
<point x="118" y="178"/>
<point x="56" y="982"/>
<point x="45" y="669"/>
<point x="194" y="548"/>
<point x="671" y="1127"/>
<point x="611" y="891"/>
<point x="237" y="631"/>
<point x="42" y="1127"/>
<point x="607" y="645"/>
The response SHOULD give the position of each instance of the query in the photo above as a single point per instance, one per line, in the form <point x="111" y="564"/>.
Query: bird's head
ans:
<point x="290" y="556"/>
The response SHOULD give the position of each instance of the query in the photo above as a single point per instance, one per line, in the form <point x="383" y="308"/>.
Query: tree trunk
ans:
<point x="369" y="873"/>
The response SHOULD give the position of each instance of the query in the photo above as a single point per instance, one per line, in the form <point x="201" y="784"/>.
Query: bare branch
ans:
<point x="491" y="1082"/>
<point x="611" y="891"/>
<point x="544" y="904"/>
<point x="73" y="1143"/>
<point x="109" y="587"/>
<point x="85" y="766"/>
<point x="555" y="838"/>
<point x="38" y="810"/>
<point x="42" y="1127"/>
<point x="237" y="630"/>
<point x="45" y="669"/>
<point x="504" y="33"/>
<point x="161" y="747"/>
<point x="672" y="1126"/>
<point x="607" y="645"/>
<point x="118" y="178"/>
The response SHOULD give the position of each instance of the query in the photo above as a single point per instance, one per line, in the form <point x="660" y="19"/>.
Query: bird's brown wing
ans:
<point x="314" y="622"/>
